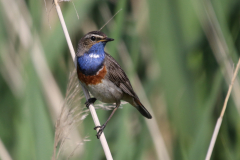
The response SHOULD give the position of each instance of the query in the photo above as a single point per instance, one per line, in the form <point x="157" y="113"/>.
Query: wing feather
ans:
<point x="116" y="75"/>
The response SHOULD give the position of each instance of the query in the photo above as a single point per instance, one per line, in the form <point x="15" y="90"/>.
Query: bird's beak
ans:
<point x="106" y="39"/>
<point x="109" y="39"/>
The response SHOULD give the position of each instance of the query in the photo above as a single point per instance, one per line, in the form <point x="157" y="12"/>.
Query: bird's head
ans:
<point x="90" y="39"/>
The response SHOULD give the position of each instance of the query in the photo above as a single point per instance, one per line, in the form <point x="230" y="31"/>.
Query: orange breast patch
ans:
<point x="95" y="79"/>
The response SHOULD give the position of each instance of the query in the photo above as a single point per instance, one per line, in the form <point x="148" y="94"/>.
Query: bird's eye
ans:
<point x="93" y="38"/>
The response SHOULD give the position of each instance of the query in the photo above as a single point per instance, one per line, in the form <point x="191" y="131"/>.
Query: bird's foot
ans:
<point x="90" y="101"/>
<point x="100" y="130"/>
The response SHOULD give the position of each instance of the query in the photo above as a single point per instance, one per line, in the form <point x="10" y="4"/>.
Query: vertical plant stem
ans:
<point x="4" y="155"/>
<point x="86" y="93"/>
<point x="219" y="121"/>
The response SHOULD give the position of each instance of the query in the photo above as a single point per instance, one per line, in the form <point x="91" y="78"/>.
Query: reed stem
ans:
<point x="85" y="91"/>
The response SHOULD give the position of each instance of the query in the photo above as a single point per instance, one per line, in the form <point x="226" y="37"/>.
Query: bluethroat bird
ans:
<point x="100" y="74"/>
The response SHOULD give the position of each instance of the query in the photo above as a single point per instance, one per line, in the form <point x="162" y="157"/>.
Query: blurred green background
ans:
<point x="179" y="56"/>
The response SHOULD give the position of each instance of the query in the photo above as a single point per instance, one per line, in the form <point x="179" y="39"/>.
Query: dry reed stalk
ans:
<point x="86" y="93"/>
<point x="220" y="49"/>
<point x="4" y="155"/>
<point x="219" y="121"/>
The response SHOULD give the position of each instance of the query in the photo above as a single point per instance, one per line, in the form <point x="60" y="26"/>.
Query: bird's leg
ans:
<point x="90" y="101"/>
<point x="104" y="125"/>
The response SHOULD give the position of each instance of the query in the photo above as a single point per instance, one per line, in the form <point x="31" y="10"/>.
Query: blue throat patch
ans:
<point x="92" y="61"/>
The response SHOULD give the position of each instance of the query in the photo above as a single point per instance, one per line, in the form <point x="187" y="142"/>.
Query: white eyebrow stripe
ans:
<point x="98" y="36"/>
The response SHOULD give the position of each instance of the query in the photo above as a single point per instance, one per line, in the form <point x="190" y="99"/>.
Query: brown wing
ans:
<point x="116" y="75"/>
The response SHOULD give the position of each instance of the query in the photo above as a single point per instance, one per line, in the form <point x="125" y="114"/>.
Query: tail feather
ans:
<point x="142" y="109"/>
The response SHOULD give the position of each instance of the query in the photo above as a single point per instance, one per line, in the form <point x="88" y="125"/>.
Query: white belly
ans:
<point x="106" y="92"/>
